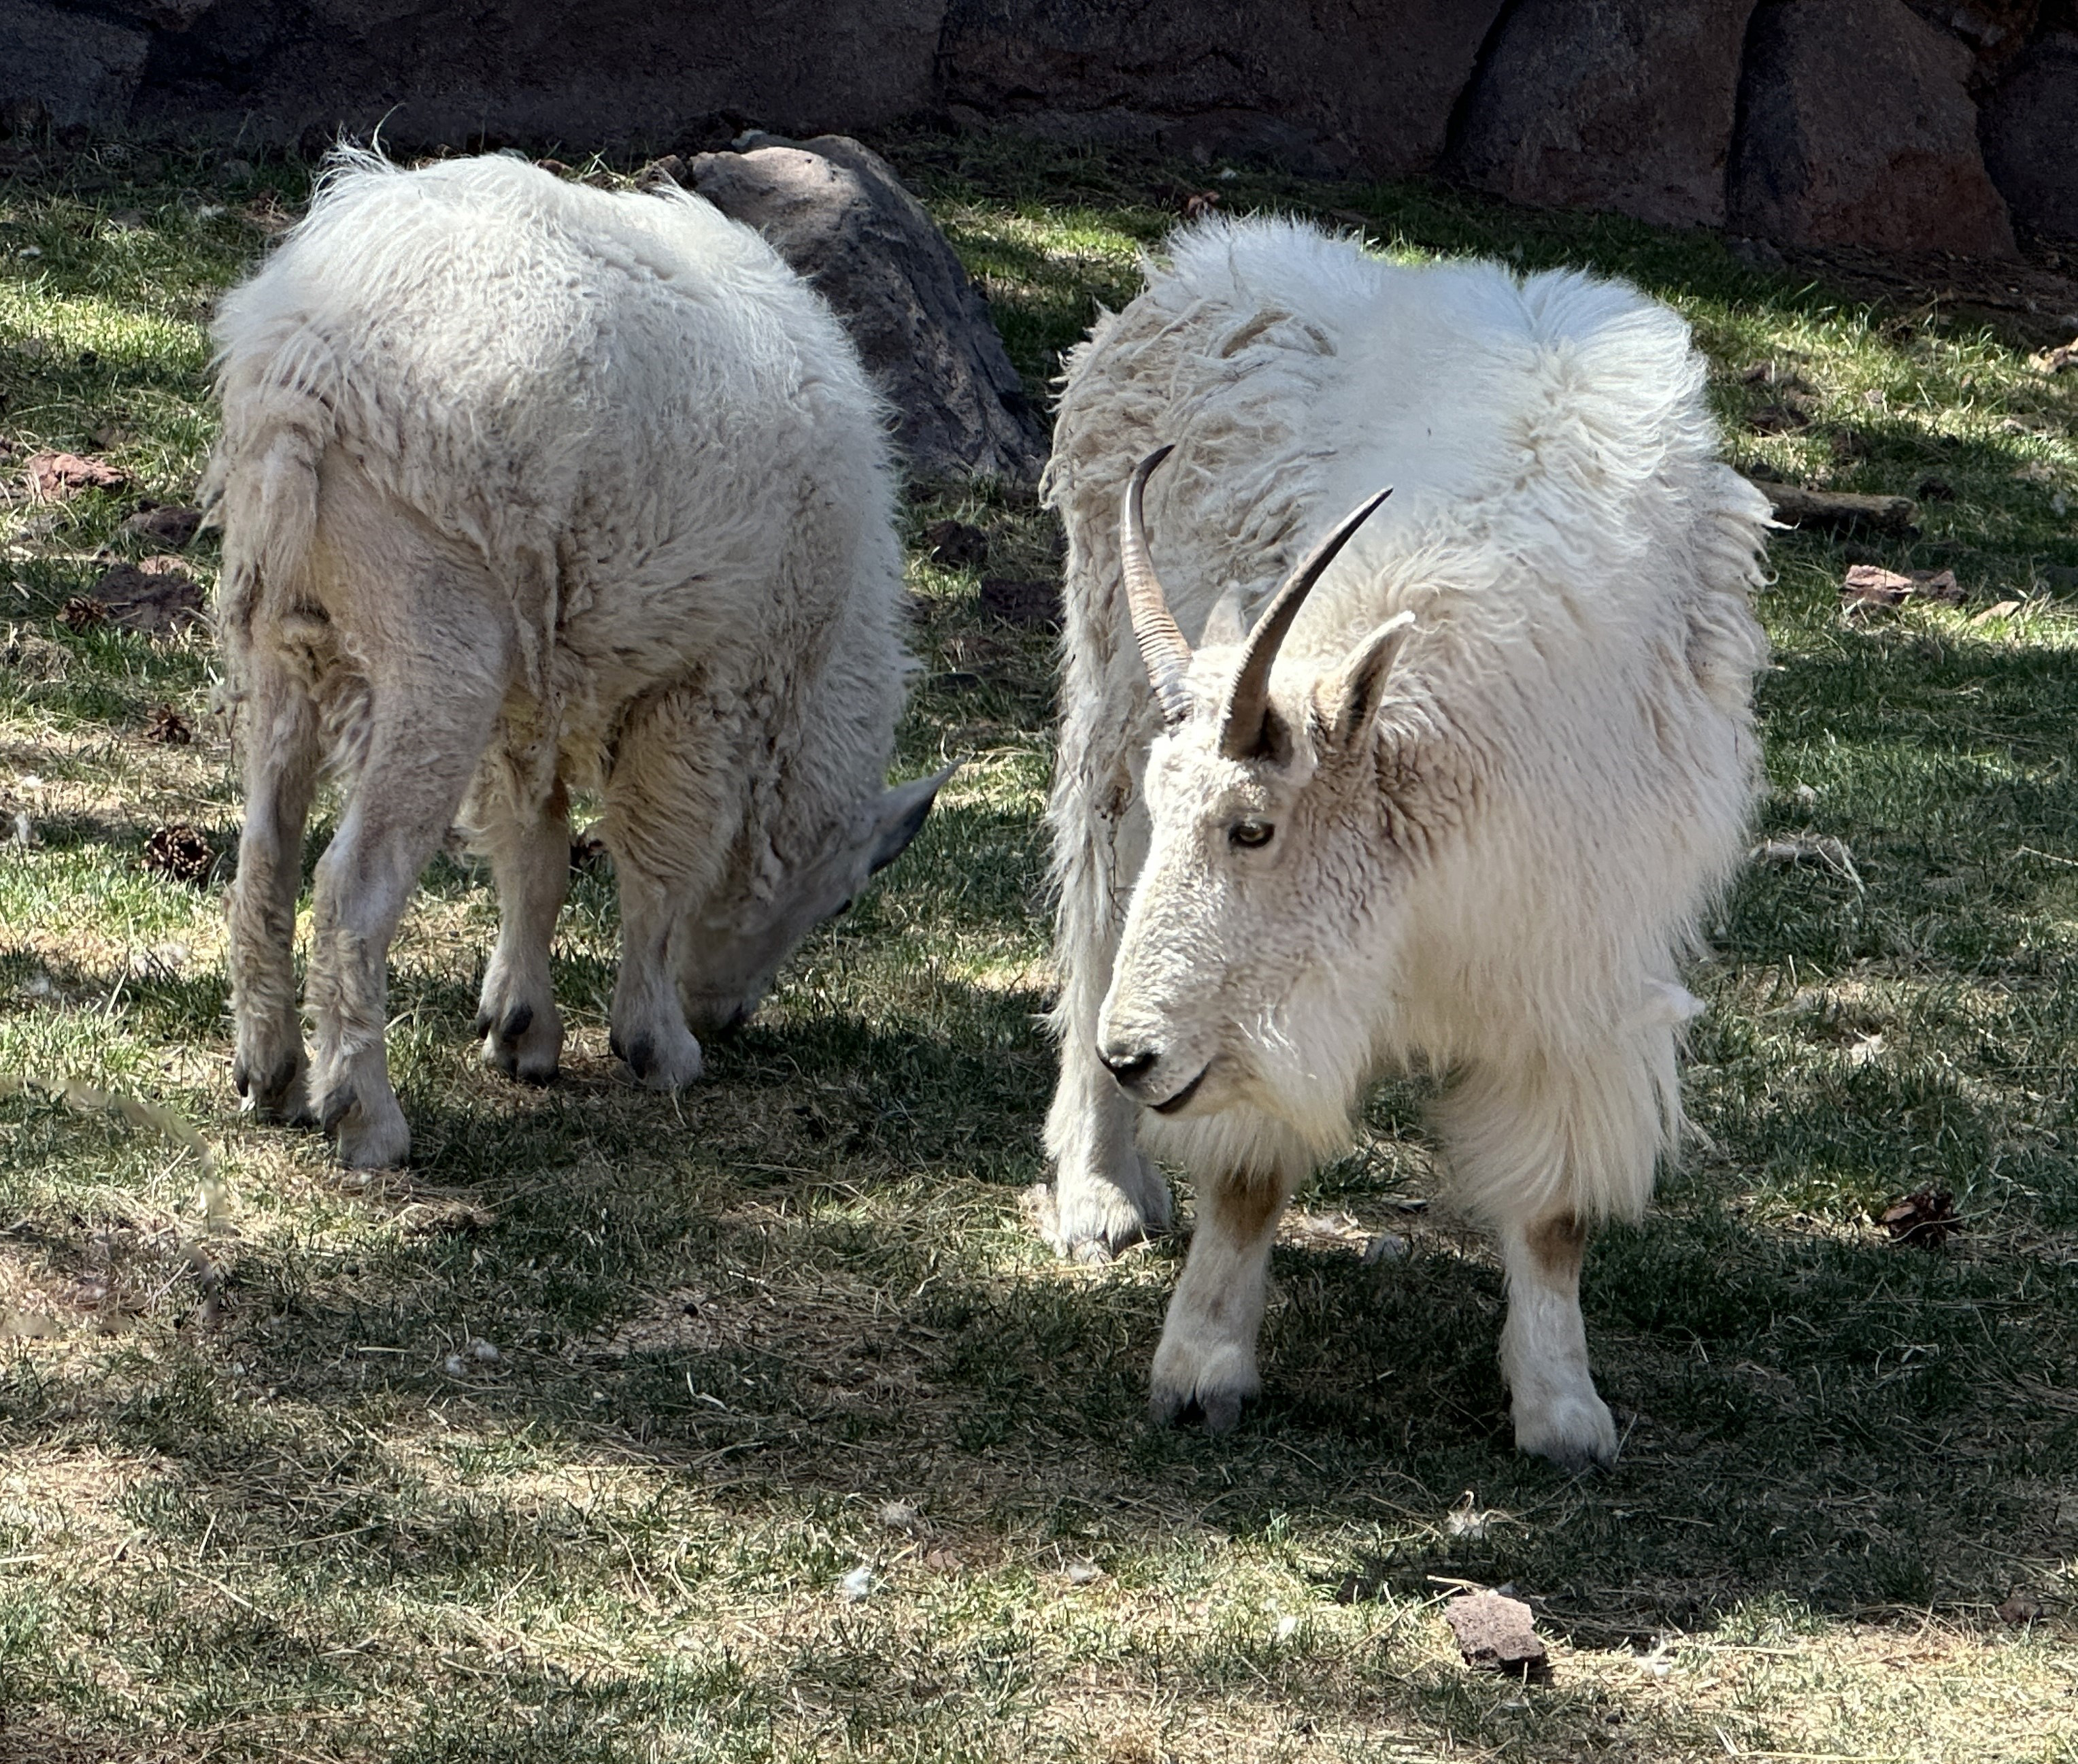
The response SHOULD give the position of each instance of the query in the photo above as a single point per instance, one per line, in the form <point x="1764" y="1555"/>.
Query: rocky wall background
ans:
<point x="1899" y="125"/>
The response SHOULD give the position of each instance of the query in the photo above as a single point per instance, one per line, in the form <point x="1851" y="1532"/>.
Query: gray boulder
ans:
<point x="76" y="69"/>
<point x="1859" y="129"/>
<point x="2031" y="137"/>
<point x="601" y="74"/>
<point x="838" y="213"/>
<point x="1621" y="104"/>
<point x="1330" y="83"/>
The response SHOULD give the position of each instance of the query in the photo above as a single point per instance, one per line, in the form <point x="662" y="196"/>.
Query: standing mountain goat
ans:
<point x="1454" y="798"/>
<point x="527" y="486"/>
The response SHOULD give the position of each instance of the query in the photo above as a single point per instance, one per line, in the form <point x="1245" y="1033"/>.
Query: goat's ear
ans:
<point x="1224" y="623"/>
<point x="1345" y="699"/>
<point x="901" y="816"/>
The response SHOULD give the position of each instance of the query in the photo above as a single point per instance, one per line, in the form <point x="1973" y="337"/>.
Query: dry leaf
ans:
<point x="1926" y="1219"/>
<point x="1867" y="1048"/>
<point x="1999" y="609"/>
<point x="1866" y="587"/>
<point x="53" y="477"/>
<point x="168" y="727"/>
<point x="1822" y="848"/>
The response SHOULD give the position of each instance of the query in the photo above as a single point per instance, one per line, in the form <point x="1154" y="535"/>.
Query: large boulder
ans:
<point x="2031" y="137"/>
<point x="838" y="213"/>
<point x="1859" y="129"/>
<point x="602" y="73"/>
<point x="1622" y="104"/>
<point x="78" y="70"/>
<point x="1365" y="82"/>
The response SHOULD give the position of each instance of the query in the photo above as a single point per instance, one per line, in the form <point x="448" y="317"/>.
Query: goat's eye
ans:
<point x="1250" y="833"/>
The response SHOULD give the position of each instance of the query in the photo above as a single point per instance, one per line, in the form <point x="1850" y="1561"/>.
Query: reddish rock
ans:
<point x="1359" y="82"/>
<point x="1621" y="104"/>
<point x="1857" y="129"/>
<point x="2031" y="137"/>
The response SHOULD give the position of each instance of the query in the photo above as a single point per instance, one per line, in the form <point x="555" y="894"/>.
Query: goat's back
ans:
<point x="630" y="382"/>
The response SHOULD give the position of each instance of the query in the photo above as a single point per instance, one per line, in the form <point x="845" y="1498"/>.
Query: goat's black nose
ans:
<point x="1128" y="1068"/>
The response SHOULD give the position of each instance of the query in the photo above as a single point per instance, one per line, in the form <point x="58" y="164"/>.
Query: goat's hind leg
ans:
<point x="280" y="756"/>
<point x="1538" y="1149"/>
<point x="529" y="847"/>
<point x="1559" y="1414"/>
<point x="1108" y="1193"/>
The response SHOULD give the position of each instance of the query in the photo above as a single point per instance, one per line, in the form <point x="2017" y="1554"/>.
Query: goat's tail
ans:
<point x="262" y="483"/>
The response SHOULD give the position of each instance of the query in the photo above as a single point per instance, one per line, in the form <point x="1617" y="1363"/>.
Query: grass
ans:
<point x="569" y="1444"/>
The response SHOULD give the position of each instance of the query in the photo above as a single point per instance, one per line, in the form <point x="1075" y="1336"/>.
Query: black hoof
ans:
<point x="337" y="1107"/>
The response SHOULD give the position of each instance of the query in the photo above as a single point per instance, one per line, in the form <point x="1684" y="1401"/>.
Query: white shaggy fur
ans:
<point x="527" y="487"/>
<point x="1519" y="760"/>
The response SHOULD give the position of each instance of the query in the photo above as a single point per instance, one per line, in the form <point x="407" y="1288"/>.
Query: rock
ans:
<point x="1622" y="104"/>
<point x="80" y="70"/>
<point x="612" y="74"/>
<point x="2031" y="125"/>
<point x="1497" y="1634"/>
<point x="1857" y="129"/>
<point x="1334" y="83"/>
<point x="838" y="213"/>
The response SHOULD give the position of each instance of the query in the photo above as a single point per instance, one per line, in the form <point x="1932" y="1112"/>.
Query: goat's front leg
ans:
<point x="529" y="847"/>
<point x="280" y="753"/>
<point x="1207" y="1359"/>
<point x="672" y="813"/>
<point x="1544" y="1345"/>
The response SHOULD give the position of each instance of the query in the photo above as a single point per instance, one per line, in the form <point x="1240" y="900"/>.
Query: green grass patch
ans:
<point x="571" y="1444"/>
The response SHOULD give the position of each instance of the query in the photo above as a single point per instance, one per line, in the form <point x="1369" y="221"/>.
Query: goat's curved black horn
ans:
<point x="1248" y="705"/>
<point x="1163" y="651"/>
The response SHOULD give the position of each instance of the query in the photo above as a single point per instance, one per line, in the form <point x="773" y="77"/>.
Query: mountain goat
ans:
<point x="527" y="487"/>
<point x="1450" y="797"/>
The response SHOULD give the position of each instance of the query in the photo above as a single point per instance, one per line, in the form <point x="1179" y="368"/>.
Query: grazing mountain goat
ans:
<point x="1455" y="799"/>
<point x="528" y="487"/>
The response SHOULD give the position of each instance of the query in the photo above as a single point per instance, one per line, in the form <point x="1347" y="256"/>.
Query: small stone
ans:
<point x="1496" y="1634"/>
